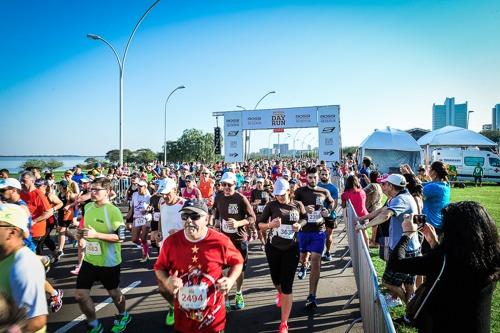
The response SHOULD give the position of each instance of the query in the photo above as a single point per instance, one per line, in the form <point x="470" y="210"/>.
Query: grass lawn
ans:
<point x="488" y="196"/>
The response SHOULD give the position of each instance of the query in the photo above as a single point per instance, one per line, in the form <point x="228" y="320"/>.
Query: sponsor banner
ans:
<point x="301" y="117"/>
<point x="329" y="133"/>
<point x="233" y="137"/>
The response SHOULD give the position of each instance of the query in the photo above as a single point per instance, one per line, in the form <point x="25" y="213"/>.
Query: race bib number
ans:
<point x="227" y="229"/>
<point x="139" y="222"/>
<point x="193" y="297"/>
<point x="285" y="231"/>
<point x="260" y="208"/>
<point x="156" y="216"/>
<point x="314" y="217"/>
<point x="93" y="248"/>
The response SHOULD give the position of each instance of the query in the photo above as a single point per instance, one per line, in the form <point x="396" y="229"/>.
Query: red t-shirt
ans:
<point x="199" y="264"/>
<point x="37" y="205"/>
<point x="358" y="200"/>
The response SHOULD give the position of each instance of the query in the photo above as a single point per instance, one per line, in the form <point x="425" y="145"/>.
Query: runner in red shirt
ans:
<point x="194" y="282"/>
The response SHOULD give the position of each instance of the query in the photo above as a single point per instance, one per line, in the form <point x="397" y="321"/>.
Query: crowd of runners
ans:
<point x="196" y="221"/>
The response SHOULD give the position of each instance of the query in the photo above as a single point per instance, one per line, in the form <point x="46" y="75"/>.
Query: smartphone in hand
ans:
<point x="419" y="220"/>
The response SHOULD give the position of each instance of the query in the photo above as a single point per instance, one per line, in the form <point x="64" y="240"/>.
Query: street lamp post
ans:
<point x="294" y="139"/>
<point x="121" y="65"/>
<point x="247" y="136"/>
<point x="303" y="140"/>
<point x="165" y="136"/>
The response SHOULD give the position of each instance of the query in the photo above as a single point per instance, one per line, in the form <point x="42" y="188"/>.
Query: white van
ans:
<point x="466" y="160"/>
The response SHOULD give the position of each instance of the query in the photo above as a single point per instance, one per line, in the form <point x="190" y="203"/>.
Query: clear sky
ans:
<point x="384" y="62"/>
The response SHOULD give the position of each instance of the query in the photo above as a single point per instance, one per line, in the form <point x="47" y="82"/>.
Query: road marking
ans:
<point x="99" y="306"/>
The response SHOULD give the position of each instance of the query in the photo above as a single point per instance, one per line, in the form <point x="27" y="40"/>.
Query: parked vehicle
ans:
<point x="465" y="161"/>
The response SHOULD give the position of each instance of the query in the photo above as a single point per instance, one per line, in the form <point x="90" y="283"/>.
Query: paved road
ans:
<point x="260" y="315"/>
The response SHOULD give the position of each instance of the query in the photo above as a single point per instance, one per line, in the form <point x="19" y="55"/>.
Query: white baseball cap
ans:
<point x="166" y="186"/>
<point x="281" y="186"/>
<point x="394" y="179"/>
<point x="228" y="177"/>
<point x="260" y="180"/>
<point x="142" y="183"/>
<point x="10" y="182"/>
<point x="14" y="215"/>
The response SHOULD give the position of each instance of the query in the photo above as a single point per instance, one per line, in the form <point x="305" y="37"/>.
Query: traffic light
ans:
<point x="217" y="147"/>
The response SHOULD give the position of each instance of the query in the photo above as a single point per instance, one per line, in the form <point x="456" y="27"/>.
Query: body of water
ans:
<point x="13" y="163"/>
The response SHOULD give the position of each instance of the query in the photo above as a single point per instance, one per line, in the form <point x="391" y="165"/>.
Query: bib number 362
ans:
<point x="193" y="297"/>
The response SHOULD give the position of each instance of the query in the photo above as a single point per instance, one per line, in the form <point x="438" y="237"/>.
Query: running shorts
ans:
<point x="313" y="241"/>
<point x="108" y="276"/>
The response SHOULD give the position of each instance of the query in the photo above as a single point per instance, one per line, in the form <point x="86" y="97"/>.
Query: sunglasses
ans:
<point x="192" y="216"/>
<point x="226" y="185"/>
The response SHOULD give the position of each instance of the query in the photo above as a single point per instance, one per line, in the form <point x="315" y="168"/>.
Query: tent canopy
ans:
<point x="389" y="148"/>
<point x="454" y="136"/>
<point x="390" y="139"/>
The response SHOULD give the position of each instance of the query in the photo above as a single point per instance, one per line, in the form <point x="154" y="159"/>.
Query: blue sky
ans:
<point x="384" y="62"/>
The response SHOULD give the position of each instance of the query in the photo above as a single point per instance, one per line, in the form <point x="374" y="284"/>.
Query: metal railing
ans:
<point x="374" y="311"/>
<point x="120" y="186"/>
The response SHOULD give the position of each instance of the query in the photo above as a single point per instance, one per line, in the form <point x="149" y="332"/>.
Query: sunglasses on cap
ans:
<point x="192" y="216"/>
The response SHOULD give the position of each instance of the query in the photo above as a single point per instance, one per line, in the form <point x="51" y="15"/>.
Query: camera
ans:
<point x="419" y="220"/>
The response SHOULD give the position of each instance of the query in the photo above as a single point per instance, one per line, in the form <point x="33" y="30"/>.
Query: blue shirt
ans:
<point x="334" y="192"/>
<point x="401" y="204"/>
<point x="364" y="171"/>
<point x="436" y="197"/>
<point x="78" y="178"/>
<point x="28" y="241"/>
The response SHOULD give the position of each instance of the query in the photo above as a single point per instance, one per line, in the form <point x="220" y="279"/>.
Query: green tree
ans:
<point x="143" y="156"/>
<point x="493" y="135"/>
<point x="349" y="150"/>
<point x="53" y="164"/>
<point x="33" y="164"/>
<point x="114" y="155"/>
<point x="193" y="145"/>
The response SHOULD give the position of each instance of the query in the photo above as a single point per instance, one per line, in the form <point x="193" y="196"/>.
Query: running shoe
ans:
<point x="97" y="329"/>
<point x="56" y="301"/>
<point x="76" y="270"/>
<point x="283" y="327"/>
<point x="240" y="302"/>
<point x="278" y="300"/>
<point x="302" y="272"/>
<point x="326" y="257"/>
<point x="170" y="318"/>
<point x="144" y="259"/>
<point x="311" y="302"/>
<point x="58" y="255"/>
<point x="121" y="322"/>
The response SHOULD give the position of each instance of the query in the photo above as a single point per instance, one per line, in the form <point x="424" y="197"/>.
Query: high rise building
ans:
<point x="449" y="114"/>
<point x="495" y="117"/>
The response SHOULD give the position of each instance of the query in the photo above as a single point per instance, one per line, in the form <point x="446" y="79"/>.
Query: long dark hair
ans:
<point x="352" y="182"/>
<point x="471" y="238"/>
<point x="440" y="169"/>
<point x="414" y="185"/>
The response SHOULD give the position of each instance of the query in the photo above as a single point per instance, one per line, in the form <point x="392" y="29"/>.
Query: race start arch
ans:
<point x="326" y="118"/>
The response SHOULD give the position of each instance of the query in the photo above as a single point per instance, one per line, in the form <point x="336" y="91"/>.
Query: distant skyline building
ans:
<point x="449" y="114"/>
<point x="495" y="117"/>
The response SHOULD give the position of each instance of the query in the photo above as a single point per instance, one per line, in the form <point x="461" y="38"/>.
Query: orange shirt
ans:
<point x="37" y="204"/>
<point x="206" y="188"/>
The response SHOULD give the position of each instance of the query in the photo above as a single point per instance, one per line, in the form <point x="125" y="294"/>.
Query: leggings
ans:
<point x="48" y="241"/>
<point x="283" y="264"/>
<point x="38" y="241"/>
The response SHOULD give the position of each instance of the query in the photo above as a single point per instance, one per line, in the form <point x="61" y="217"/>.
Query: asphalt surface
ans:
<point x="148" y="308"/>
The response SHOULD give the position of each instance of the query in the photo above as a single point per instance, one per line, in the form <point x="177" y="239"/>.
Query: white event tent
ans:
<point x="452" y="136"/>
<point x="389" y="148"/>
